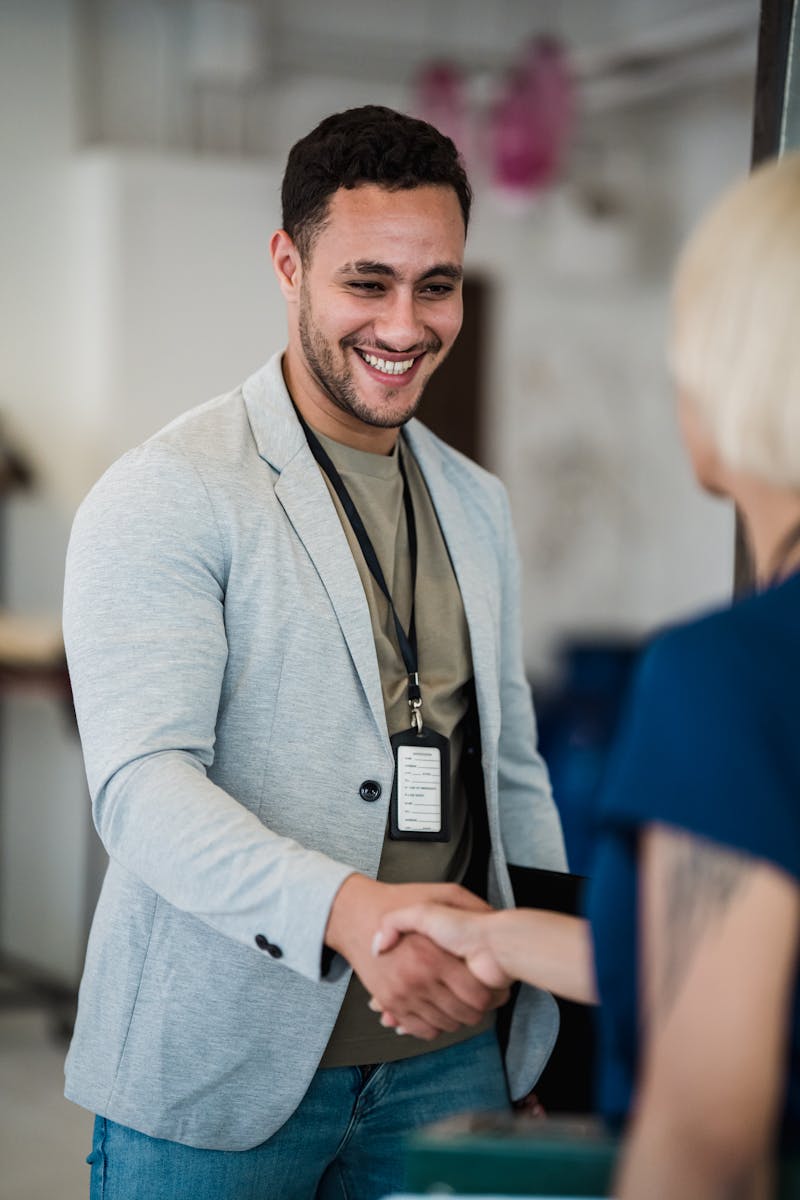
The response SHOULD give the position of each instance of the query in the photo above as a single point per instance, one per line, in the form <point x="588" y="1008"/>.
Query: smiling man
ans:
<point x="366" y="334"/>
<point x="292" y="627"/>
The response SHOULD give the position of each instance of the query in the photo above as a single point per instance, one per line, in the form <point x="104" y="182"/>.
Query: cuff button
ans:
<point x="264" y="943"/>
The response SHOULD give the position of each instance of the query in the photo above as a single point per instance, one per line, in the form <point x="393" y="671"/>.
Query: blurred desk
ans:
<point x="503" y="1155"/>
<point x="31" y="642"/>
<point x="498" y="1155"/>
<point x="32" y="659"/>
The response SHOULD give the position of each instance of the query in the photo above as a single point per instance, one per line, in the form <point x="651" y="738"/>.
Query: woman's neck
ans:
<point x="771" y="517"/>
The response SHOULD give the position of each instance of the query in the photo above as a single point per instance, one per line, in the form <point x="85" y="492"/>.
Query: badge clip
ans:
<point x="415" y="702"/>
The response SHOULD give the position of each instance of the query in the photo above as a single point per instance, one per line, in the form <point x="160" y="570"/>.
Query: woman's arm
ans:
<point x="719" y="959"/>
<point x="546" y="949"/>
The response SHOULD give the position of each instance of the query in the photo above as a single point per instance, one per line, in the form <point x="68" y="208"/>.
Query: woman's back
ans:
<point x="711" y="747"/>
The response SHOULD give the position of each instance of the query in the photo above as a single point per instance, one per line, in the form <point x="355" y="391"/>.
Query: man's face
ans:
<point x="379" y="303"/>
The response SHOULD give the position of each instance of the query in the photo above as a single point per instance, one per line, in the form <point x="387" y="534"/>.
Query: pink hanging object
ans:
<point x="531" y="123"/>
<point x="439" y="98"/>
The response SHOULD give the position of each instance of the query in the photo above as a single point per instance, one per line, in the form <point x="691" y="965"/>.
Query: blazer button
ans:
<point x="265" y="944"/>
<point x="370" y="790"/>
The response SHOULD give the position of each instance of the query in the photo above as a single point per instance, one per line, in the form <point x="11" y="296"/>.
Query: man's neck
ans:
<point x="325" y="417"/>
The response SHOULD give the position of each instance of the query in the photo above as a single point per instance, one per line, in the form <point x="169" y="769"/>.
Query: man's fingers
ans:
<point x="418" y="1028"/>
<point x="434" y="1011"/>
<point x="451" y="1004"/>
<point x="452" y="996"/>
<point x="390" y="1021"/>
<point x="421" y="988"/>
<point x="448" y="980"/>
<point x="448" y="1015"/>
<point x="456" y="975"/>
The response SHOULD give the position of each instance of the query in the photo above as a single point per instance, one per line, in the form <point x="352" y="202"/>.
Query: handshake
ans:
<point x="423" y="951"/>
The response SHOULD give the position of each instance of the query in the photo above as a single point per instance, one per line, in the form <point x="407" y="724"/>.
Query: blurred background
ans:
<point x="142" y="144"/>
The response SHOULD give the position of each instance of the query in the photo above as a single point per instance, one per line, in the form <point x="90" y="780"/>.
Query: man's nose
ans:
<point x="399" y="325"/>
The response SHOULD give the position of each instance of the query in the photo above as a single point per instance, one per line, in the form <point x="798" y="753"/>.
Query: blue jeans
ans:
<point x="344" y="1141"/>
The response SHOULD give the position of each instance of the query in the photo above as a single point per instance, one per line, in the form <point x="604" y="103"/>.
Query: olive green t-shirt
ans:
<point x="445" y="670"/>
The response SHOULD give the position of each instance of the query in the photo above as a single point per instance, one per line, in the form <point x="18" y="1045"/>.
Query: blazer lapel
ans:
<point x="305" y="499"/>
<point x="466" y="555"/>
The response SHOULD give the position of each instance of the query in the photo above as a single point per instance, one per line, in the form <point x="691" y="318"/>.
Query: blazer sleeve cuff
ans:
<point x="297" y="940"/>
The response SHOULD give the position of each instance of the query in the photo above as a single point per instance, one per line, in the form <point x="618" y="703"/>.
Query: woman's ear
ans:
<point x="700" y="447"/>
<point x="288" y="267"/>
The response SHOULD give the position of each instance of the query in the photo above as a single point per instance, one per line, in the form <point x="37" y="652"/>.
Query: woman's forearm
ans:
<point x="549" y="950"/>
<point x="664" y="1159"/>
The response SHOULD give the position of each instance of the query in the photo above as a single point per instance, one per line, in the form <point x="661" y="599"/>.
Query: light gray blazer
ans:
<point x="229" y="703"/>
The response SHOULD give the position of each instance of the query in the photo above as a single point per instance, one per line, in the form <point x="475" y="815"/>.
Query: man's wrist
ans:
<point x="347" y="911"/>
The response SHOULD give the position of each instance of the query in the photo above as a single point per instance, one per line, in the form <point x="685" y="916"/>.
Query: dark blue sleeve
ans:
<point x="701" y="749"/>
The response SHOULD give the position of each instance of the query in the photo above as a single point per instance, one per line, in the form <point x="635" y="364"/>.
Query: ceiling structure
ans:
<point x="204" y="74"/>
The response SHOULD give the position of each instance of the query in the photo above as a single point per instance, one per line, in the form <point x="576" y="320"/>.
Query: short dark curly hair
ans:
<point x="371" y="144"/>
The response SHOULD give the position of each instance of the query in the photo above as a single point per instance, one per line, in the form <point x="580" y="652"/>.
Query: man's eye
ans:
<point x="438" y="289"/>
<point x="365" y="285"/>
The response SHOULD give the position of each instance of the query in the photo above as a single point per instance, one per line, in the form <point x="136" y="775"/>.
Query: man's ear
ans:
<point x="286" y="261"/>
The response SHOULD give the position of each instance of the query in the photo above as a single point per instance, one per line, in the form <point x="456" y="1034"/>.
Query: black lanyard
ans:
<point x="407" y="642"/>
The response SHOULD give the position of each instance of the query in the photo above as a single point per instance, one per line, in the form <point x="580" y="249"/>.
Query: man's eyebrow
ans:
<point x="365" y="266"/>
<point x="448" y="270"/>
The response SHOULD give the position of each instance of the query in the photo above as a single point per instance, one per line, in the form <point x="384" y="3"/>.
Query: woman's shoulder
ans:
<point x="753" y="643"/>
<point x="711" y="740"/>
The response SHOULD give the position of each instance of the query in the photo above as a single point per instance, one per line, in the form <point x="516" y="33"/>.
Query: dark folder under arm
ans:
<point x="567" y="1083"/>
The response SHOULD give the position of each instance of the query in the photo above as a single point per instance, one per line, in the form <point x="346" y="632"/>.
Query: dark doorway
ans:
<point x="453" y="403"/>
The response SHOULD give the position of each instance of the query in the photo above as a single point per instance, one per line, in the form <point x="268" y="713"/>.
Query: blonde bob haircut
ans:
<point x="735" y="346"/>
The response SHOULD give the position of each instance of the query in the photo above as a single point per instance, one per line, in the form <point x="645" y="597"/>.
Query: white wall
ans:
<point x="615" y="536"/>
<point x="43" y="813"/>
<point x="189" y="283"/>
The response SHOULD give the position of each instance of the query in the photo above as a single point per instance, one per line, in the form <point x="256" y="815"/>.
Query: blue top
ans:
<point x="711" y="744"/>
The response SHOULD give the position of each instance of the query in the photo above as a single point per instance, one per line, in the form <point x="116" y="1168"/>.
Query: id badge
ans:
<point x="420" y="805"/>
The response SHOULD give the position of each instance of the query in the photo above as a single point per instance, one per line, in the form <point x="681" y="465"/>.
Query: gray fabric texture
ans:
<point x="229" y="703"/>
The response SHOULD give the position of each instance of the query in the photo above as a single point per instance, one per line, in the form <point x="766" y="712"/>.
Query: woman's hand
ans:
<point x="464" y="934"/>
<point x="548" y="950"/>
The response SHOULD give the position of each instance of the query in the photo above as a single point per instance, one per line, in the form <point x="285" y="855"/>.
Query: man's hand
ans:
<point x="423" y="989"/>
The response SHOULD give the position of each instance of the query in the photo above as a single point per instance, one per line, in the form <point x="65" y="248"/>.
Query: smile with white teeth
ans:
<point x="385" y="366"/>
